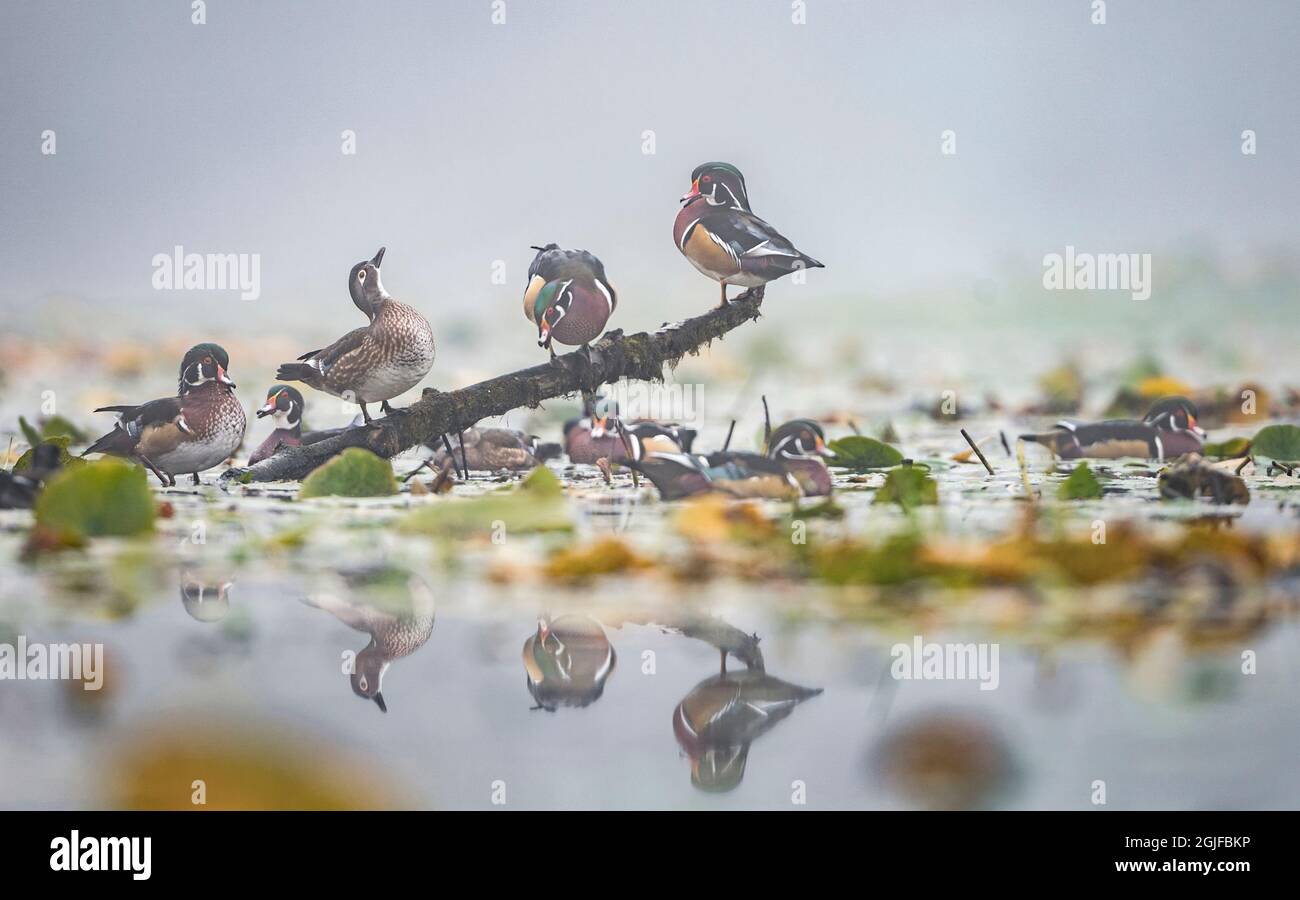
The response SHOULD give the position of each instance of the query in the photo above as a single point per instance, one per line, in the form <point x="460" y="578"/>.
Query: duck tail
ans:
<point x="809" y="262"/>
<point x="297" y="371"/>
<point x="117" y="443"/>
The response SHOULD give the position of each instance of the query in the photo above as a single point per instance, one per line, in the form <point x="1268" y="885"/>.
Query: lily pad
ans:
<point x="859" y="453"/>
<point x="355" y="472"/>
<point x="24" y="462"/>
<point x="1279" y="442"/>
<point x="1081" y="485"/>
<point x="1233" y="448"/>
<point x="908" y="487"/>
<point x="105" y="497"/>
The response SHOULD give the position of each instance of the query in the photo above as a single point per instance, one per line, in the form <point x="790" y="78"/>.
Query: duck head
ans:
<point x="798" y="438"/>
<point x="284" y="405"/>
<point x="204" y="363"/>
<point x="718" y="184"/>
<point x="368" y="676"/>
<point x="551" y="306"/>
<point x="1174" y="414"/>
<point x="364" y="285"/>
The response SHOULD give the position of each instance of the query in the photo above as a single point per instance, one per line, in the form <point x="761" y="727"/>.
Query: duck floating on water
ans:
<point x="187" y="434"/>
<point x="495" y="449"/>
<point x="1169" y="430"/>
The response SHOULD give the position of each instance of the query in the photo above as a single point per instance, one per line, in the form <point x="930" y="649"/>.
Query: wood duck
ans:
<point x="567" y="661"/>
<point x="1168" y="431"/>
<point x="677" y="475"/>
<point x="376" y="363"/>
<point x="197" y="429"/>
<point x="718" y="720"/>
<point x="799" y="445"/>
<point x="18" y="490"/>
<point x="595" y="436"/>
<point x="494" y="449"/>
<point x="721" y="236"/>
<point x="568" y="297"/>
<point x="284" y="406"/>
<point x="395" y="608"/>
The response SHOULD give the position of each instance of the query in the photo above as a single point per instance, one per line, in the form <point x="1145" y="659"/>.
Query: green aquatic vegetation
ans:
<point x="355" y="472"/>
<point x="105" y="497"/>
<point x="1233" y="448"/>
<point x="860" y="453"/>
<point x="909" y="487"/>
<point x="66" y="459"/>
<point x="1277" y="442"/>
<point x="1081" y="485"/>
<point x="537" y="504"/>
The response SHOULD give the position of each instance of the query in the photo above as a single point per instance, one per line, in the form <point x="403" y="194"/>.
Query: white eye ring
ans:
<point x="361" y="276"/>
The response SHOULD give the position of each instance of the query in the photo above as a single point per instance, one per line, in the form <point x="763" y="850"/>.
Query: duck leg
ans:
<point x="723" y="285"/>
<point x="392" y="411"/>
<point x="148" y="464"/>
<point x="365" y="414"/>
<point x="464" y="460"/>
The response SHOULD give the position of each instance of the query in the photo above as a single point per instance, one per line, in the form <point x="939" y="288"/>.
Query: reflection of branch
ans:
<point x="639" y="356"/>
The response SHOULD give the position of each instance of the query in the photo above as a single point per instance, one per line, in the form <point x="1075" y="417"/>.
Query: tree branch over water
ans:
<point x="640" y="357"/>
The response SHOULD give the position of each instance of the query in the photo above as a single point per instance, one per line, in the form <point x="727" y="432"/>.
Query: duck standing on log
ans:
<point x="721" y="236"/>
<point x="376" y="363"/>
<point x="568" y="297"/>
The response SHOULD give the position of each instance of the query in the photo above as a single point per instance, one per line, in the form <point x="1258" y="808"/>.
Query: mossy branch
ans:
<point x="640" y="357"/>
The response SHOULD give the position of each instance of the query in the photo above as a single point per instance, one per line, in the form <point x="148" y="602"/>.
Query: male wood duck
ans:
<point x="284" y="406"/>
<point x="190" y="433"/>
<point x="721" y="236"/>
<point x="376" y="363"/>
<point x="717" y="721"/>
<point x="395" y="608"/>
<point x="567" y="661"/>
<point x="494" y="449"/>
<point x="595" y="436"/>
<point x="1168" y="431"/>
<point x="800" y="445"/>
<point x="568" y="297"/>
<point x="677" y="475"/>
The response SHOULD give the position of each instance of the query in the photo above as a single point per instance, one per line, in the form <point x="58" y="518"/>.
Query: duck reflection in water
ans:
<point x="567" y="662"/>
<point x="569" y="659"/>
<point x="206" y="599"/>
<point x="394" y="607"/>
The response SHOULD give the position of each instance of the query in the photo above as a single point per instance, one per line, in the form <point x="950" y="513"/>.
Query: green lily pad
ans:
<point x="1279" y="442"/>
<point x="908" y="487"/>
<point x="355" y="472"/>
<point x="858" y="452"/>
<point x="1081" y="485"/>
<point x="24" y="462"/>
<point x="1233" y="448"/>
<point x="105" y="497"/>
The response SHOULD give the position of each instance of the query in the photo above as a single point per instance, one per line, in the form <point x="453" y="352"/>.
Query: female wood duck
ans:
<point x="494" y="449"/>
<point x="568" y="297"/>
<point x="1168" y="431"/>
<point x="197" y="429"/>
<point x="799" y="445"/>
<point x="717" y="721"/>
<point x="721" y="236"/>
<point x="394" y="607"/>
<point x="568" y="660"/>
<point x="388" y="357"/>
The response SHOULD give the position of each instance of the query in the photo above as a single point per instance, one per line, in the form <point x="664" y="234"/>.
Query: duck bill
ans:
<point x="379" y="257"/>
<point x="693" y="194"/>
<point x="544" y="333"/>
<point x="823" y="450"/>
<point x="266" y="410"/>
<point x="599" y="427"/>
<point x="223" y="377"/>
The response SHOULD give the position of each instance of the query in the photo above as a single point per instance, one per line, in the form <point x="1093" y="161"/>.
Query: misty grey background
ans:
<point x="476" y="140"/>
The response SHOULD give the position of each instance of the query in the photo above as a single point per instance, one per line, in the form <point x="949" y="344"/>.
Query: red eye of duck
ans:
<point x="207" y="360"/>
